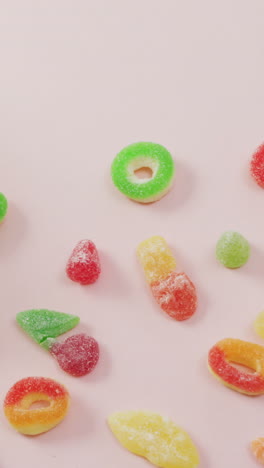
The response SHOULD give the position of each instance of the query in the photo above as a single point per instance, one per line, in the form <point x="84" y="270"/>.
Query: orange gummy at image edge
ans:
<point x="241" y="352"/>
<point x="174" y="292"/>
<point x="31" y="390"/>
<point x="257" y="448"/>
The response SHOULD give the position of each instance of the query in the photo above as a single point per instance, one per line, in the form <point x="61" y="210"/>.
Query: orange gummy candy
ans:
<point x="257" y="448"/>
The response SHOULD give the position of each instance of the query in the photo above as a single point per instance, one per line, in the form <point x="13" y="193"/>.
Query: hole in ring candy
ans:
<point x="174" y="292"/>
<point x="3" y="207"/>
<point x="232" y="250"/>
<point x="155" y="438"/>
<point x="243" y="353"/>
<point x="25" y="394"/>
<point x="151" y="157"/>
<point x="257" y="166"/>
<point x="77" y="355"/>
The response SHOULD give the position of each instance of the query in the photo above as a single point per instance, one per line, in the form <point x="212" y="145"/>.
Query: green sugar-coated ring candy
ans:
<point x="3" y="207"/>
<point x="143" y="155"/>
<point x="232" y="249"/>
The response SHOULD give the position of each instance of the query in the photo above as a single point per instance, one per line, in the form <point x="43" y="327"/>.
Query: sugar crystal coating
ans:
<point x="156" y="258"/>
<point x="18" y="401"/>
<point x="42" y="324"/>
<point x="155" y="438"/>
<point x="174" y="292"/>
<point x="77" y="355"/>
<point x="232" y="250"/>
<point x="84" y="265"/>
<point x="251" y="355"/>
<point x="259" y="324"/>
<point x="176" y="295"/>
<point x="257" y="166"/>
<point x="139" y="155"/>
<point x="257" y="448"/>
<point x="3" y="207"/>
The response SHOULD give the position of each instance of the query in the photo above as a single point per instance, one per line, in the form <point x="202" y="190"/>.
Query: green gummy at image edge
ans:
<point x="153" y="186"/>
<point x="3" y="206"/>
<point x="42" y="324"/>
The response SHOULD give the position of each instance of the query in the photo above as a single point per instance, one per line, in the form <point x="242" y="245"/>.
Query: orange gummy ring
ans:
<point x="250" y="355"/>
<point x="27" y="391"/>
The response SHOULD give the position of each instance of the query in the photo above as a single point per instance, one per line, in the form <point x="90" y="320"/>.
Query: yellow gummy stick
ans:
<point x="156" y="258"/>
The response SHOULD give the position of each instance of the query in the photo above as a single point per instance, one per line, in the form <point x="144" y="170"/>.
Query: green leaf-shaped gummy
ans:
<point x="43" y="324"/>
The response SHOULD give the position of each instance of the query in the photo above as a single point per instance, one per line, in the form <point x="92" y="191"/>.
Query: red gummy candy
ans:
<point x="176" y="295"/>
<point x="257" y="166"/>
<point x="84" y="264"/>
<point x="77" y="355"/>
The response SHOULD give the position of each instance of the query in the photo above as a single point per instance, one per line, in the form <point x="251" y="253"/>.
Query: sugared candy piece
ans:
<point x="232" y="250"/>
<point x="155" y="438"/>
<point x="176" y="295"/>
<point x="32" y="390"/>
<point x="42" y="324"/>
<point x="77" y="355"/>
<point x="257" y="448"/>
<point x="243" y="353"/>
<point x="3" y="207"/>
<point x="259" y="324"/>
<point x="156" y="258"/>
<point x="257" y="166"/>
<point x="174" y="292"/>
<point x="143" y="155"/>
<point x="84" y="265"/>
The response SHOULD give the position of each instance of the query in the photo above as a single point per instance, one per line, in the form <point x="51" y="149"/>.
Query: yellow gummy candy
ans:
<point x="157" y="439"/>
<point x="156" y="258"/>
<point x="259" y="324"/>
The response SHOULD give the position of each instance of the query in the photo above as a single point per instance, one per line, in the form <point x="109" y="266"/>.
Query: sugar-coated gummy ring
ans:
<point x="3" y="207"/>
<point x="30" y="390"/>
<point x="240" y="352"/>
<point x="257" y="166"/>
<point x="142" y="155"/>
<point x="232" y="250"/>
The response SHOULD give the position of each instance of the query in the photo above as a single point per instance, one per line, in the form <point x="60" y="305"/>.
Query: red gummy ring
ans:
<point x="250" y="355"/>
<point x="18" y="401"/>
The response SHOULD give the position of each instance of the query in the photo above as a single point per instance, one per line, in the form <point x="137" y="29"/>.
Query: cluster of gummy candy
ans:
<point x="146" y="434"/>
<point x="79" y="353"/>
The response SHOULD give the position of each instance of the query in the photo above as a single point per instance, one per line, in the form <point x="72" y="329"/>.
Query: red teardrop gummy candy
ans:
<point x="84" y="265"/>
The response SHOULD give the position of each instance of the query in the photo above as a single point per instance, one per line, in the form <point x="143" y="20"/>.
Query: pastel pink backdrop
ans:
<point x="80" y="80"/>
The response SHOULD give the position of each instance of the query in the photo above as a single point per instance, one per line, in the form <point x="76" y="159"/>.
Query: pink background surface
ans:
<point x="80" y="80"/>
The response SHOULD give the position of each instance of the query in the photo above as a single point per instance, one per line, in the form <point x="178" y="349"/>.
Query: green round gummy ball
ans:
<point x="232" y="249"/>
